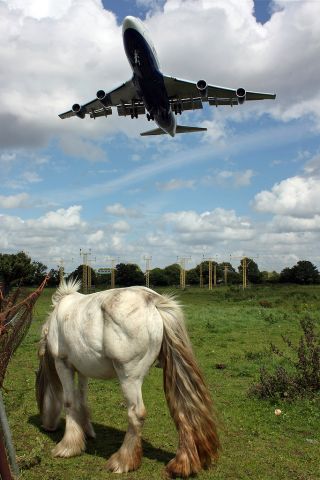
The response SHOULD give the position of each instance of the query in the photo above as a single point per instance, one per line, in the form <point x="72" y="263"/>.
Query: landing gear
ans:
<point x="134" y="113"/>
<point x="150" y="117"/>
<point x="177" y="108"/>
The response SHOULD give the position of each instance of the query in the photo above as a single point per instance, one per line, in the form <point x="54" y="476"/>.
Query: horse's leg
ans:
<point x="73" y="442"/>
<point x="129" y="455"/>
<point x="84" y="410"/>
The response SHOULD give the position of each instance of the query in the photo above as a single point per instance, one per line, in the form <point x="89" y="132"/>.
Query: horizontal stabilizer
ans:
<point x="179" y="129"/>
<point x="184" y="129"/>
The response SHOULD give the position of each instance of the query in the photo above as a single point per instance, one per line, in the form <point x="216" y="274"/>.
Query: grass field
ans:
<point x="226" y="326"/>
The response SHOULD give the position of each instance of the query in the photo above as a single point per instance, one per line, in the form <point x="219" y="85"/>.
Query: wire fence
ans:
<point x="15" y="318"/>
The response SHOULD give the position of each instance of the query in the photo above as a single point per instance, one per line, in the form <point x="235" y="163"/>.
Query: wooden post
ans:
<point x="5" y="473"/>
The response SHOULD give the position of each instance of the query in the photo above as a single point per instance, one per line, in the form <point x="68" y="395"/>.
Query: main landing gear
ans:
<point x="150" y="117"/>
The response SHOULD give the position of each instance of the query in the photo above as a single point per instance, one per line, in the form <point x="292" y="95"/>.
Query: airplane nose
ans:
<point x="129" y="22"/>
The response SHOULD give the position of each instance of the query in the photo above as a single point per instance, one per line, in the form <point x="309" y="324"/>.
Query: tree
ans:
<point x="286" y="275"/>
<point x="14" y="268"/>
<point x="36" y="277"/>
<point x="304" y="272"/>
<point x="158" y="278"/>
<point x="173" y="274"/>
<point x="54" y="278"/>
<point x="128" y="274"/>
<point x="193" y="276"/>
<point x="77" y="274"/>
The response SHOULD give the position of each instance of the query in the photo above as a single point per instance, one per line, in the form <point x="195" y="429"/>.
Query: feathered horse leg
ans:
<point x="129" y="455"/>
<point x="73" y="442"/>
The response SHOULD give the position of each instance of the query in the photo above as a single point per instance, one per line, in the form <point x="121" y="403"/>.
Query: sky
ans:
<point x="248" y="186"/>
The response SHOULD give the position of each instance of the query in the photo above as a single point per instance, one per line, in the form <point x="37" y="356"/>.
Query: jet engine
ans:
<point x="241" y="95"/>
<point x="202" y="87"/>
<point x="103" y="97"/>
<point x="78" y="110"/>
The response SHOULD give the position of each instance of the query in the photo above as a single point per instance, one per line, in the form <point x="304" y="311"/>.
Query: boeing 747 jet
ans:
<point x="149" y="92"/>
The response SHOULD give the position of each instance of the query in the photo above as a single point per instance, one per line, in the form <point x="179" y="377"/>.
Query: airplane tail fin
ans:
<point x="179" y="129"/>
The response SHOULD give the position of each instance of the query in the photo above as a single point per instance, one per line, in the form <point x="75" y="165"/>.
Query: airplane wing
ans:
<point x="123" y="97"/>
<point x="191" y="96"/>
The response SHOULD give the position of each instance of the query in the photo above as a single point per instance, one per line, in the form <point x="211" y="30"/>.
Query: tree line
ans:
<point x="20" y="268"/>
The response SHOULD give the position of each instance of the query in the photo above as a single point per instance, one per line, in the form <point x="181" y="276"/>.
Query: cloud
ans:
<point x="216" y="224"/>
<point x="228" y="177"/>
<point x="54" y="233"/>
<point x="296" y="196"/>
<point x="45" y="73"/>
<point x="62" y="218"/>
<point x="13" y="201"/>
<point x="95" y="237"/>
<point x="175" y="184"/>
<point x="119" y="210"/>
<point x="121" y="226"/>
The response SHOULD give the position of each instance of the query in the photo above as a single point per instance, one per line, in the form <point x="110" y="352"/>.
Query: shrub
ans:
<point x="303" y="376"/>
<point x="265" y="304"/>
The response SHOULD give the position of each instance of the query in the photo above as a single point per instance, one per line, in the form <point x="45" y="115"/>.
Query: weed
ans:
<point x="303" y="377"/>
<point x="254" y="355"/>
<point x="265" y="304"/>
<point x="270" y="318"/>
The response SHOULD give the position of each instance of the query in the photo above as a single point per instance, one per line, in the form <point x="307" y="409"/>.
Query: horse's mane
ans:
<point x="66" y="288"/>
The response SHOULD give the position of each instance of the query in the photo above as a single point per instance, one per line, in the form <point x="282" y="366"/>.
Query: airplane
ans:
<point x="155" y="95"/>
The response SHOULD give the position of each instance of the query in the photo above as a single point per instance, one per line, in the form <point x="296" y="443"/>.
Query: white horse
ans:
<point x="121" y="333"/>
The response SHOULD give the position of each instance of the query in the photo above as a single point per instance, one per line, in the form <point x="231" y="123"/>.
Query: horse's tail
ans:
<point x="65" y="288"/>
<point x="187" y="395"/>
<point x="48" y="384"/>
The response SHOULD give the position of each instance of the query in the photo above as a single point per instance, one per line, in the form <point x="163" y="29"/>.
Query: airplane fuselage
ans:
<point x="147" y="76"/>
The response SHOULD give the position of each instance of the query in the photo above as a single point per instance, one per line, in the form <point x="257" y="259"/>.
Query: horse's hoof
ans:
<point x="49" y="429"/>
<point x="66" y="451"/>
<point x="120" y="463"/>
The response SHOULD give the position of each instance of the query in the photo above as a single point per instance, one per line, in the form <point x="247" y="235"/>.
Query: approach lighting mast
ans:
<point x="86" y="270"/>
<point x="61" y="270"/>
<point x="182" y="261"/>
<point x="147" y="274"/>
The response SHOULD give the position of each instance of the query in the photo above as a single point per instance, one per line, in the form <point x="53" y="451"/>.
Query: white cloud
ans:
<point x="62" y="218"/>
<point x="296" y="196"/>
<point x="284" y="223"/>
<point x="229" y="177"/>
<point x="119" y="210"/>
<point x="175" y="184"/>
<point x="13" y="201"/>
<point x="95" y="237"/>
<point x="217" y="224"/>
<point x="121" y="226"/>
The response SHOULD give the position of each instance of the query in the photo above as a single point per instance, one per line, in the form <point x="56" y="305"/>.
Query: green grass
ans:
<point x="226" y="326"/>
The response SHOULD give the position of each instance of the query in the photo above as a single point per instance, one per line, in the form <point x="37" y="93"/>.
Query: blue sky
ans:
<point x="248" y="186"/>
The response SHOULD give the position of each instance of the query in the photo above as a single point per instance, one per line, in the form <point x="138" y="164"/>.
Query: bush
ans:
<point x="303" y="376"/>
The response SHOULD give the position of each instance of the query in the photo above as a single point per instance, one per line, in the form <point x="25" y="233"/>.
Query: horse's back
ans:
<point x="94" y="331"/>
<point x="133" y="326"/>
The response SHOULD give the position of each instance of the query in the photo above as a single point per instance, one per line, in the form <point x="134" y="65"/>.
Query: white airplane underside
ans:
<point x="155" y="95"/>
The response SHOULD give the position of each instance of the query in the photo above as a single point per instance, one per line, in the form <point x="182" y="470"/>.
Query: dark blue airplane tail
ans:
<point x="179" y="129"/>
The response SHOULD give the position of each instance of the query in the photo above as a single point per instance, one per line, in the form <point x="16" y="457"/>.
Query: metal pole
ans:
<point x="215" y="274"/>
<point x="113" y="274"/>
<point x="4" y="427"/>
<point x="201" y="276"/>
<point x="225" y="274"/>
<point x="210" y="274"/>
